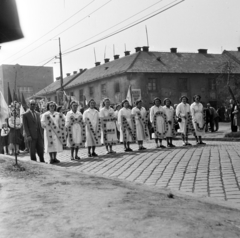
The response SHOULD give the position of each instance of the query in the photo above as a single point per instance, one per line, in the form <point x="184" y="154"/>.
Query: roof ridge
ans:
<point x="137" y="55"/>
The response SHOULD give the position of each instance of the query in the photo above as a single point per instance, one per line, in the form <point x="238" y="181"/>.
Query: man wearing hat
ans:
<point x="183" y="113"/>
<point x="169" y="110"/>
<point x="158" y="122"/>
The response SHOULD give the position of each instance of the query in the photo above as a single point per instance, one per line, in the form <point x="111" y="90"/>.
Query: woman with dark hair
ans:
<point x="127" y="132"/>
<point x="198" y="119"/>
<point x="76" y="130"/>
<point x="159" y="122"/>
<point x="93" y="128"/>
<point x="185" y="124"/>
<point x="141" y="119"/>
<point x="171" y="121"/>
<point x="54" y="132"/>
<point x="109" y="130"/>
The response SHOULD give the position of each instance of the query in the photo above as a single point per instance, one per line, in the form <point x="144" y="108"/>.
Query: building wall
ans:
<point x="114" y="92"/>
<point x="169" y="85"/>
<point x="29" y="79"/>
<point x="173" y="86"/>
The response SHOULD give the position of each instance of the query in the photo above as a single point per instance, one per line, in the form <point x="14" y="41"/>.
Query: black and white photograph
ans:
<point x="119" y="119"/>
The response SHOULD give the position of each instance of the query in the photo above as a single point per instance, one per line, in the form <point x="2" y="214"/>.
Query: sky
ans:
<point x="188" y="26"/>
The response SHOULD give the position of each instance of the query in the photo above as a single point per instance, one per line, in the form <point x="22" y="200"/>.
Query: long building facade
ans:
<point x="151" y="74"/>
<point x="26" y="80"/>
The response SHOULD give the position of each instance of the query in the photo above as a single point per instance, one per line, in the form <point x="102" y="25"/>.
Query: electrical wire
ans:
<point x="63" y="31"/>
<point x="125" y="28"/>
<point x="116" y="24"/>
<point x="51" y="30"/>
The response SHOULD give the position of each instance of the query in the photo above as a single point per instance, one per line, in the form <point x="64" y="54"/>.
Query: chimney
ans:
<point x="68" y="74"/>
<point x="116" y="57"/>
<point x="238" y="49"/>
<point x="202" y="51"/>
<point x="145" y="48"/>
<point x="58" y="78"/>
<point x="127" y="53"/>
<point x="173" y="50"/>
<point x="106" y="60"/>
<point x="80" y="70"/>
<point x="97" y="63"/>
<point x="138" y="49"/>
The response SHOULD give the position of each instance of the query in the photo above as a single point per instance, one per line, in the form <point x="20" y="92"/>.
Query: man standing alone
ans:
<point x="34" y="132"/>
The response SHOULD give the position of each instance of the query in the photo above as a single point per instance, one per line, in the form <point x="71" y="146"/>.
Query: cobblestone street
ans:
<point x="212" y="170"/>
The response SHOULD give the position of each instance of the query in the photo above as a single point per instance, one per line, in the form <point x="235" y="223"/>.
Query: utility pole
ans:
<point x="60" y="58"/>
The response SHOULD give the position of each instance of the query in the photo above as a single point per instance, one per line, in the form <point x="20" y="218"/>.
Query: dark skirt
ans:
<point x="11" y="136"/>
<point x="4" y="140"/>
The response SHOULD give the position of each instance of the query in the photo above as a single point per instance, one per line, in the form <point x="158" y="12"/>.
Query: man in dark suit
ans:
<point x="34" y="132"/>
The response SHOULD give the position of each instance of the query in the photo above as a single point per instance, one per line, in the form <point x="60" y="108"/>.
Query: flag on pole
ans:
<point x="22" y="111"/>
<point x="15" y="96"/>
<point x="129" y="95"/>
<point x="85" y="102"/>
<point x="23" y="101"/>
<point x="9" y="96"/>
<point x="4" y="110"/>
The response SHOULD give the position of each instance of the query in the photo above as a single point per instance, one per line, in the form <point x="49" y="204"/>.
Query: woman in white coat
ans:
<point x="127" y="132"/>
<point x="158" y="122"/>
<point x="109" y="130"/>
<point x="141" y="124"/>
<point x="185" y="124"/>
<point x="198" y="118"/>
<point x="76" y="130"/>
<point x="53" y="140"/>
<point x="93" y="128"/>
<point x="170" y="113"/>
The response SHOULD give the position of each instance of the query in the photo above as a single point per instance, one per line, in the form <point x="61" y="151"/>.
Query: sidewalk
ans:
<point x="205" y="171"/>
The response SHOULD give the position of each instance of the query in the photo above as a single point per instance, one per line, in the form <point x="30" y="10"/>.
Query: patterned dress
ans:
<point x="57" y="145"/>
<point x="160" y="123"/>
<point x="76" y="128"/>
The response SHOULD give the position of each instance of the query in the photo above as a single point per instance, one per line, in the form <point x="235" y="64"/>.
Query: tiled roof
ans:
<point x="56" y="85"/>
<point x="105" y="70"/>
<point x="166" y="62"/>
<point x="155" y="62"/>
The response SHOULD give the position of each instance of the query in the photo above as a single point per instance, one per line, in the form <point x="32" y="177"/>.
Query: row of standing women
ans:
<point x="93" y="128"/>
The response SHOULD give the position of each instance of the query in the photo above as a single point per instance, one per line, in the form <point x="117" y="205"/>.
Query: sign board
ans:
<point x="136" y="94"/>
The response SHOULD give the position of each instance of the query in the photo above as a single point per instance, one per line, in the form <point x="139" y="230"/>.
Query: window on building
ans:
<point x="71" y="93"/>
<point x="103" y="89"/>
<point x="117" y="87"/>
<point x="80" y="95"/>
<point x="26" y="91"/>
<point x="55" y="98"/>
<point x="91" y="91"/>
<point x="152" y="84"/>
<point x="183" y="84"/>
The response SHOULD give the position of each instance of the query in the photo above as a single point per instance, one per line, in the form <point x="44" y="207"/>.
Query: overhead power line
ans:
<point x="116" y="24"/>
<point x="51" y="30"/>
<point x="63" y="31"/>
<point x="126" y="27"/>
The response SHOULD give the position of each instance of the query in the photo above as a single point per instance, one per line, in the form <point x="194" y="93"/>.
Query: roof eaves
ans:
<point x="95" y="79"/>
